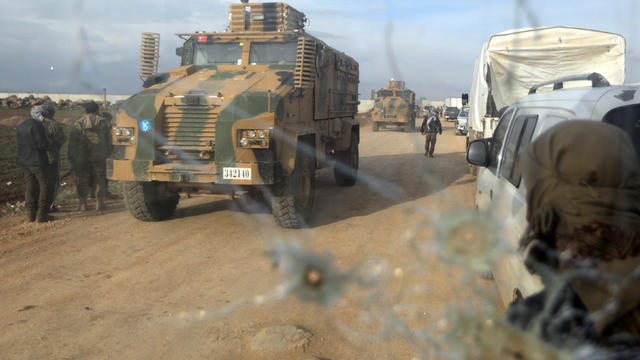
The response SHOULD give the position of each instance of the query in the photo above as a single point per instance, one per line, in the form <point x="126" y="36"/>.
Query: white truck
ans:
<point x="453" y="102"/>
<point x="513" y="61"/>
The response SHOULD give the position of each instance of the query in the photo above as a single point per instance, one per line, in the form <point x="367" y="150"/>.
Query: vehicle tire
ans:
<point x="292" y="198"/>
<point x="408" y="127"/>
<point x="145" y="203"/>
<point x="374" y="126"/>
<point x="345" y="169"/>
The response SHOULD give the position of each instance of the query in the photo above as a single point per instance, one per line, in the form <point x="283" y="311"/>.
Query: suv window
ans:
<point x="628" y="119"/>
<point x="498" y="139"/>
<point x="519" y="137"/>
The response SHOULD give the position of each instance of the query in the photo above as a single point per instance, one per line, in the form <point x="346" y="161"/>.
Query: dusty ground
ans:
<point x="107" y="286"/>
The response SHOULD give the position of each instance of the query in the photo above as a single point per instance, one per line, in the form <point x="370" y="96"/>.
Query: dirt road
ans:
<point x="108" y="286"/>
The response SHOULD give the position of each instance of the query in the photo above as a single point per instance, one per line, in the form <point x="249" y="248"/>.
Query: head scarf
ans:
<point x="39" y="112"/>
<point x="583" y="190"/>
<point x="50" y="111"/>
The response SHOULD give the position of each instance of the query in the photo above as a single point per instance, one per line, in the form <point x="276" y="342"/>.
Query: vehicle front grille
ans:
<point x="189" y="127"/>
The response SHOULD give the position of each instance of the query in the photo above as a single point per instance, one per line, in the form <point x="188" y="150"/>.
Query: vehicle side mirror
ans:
<point x="180" y="51"/>
<point x="478" y="152"/>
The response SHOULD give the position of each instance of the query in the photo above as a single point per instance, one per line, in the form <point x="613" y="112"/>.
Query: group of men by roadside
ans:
<point x="40" y="140"/>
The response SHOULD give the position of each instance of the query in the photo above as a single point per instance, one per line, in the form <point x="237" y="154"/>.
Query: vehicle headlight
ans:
<point x="254" y="138"/>
<point x="124" y="135"/>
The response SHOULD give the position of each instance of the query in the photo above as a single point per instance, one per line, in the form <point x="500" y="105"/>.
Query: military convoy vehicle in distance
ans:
<point x="394" y="105"/>
<point x="254" y="110"/>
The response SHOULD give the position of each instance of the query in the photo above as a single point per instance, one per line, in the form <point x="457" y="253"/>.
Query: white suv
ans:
<point x="500" y="192"/>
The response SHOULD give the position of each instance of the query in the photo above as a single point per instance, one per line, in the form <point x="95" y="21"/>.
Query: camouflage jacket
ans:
<point x="90" y="139"/>
<point x="56" y="137"/>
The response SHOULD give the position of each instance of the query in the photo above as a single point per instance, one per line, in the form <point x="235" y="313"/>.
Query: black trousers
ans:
<point x="85" y="172"/>
<point x="430" y="143"/>
<point x="53" y="177"/>
<point x="35" y="194"/>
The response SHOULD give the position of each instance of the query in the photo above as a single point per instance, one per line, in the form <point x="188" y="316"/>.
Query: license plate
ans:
<point x="232" y="173"/>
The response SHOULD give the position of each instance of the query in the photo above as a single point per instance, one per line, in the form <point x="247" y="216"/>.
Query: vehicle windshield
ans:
<point x="273" y="53"/>
<point x="464" y="113"/>
<point x="217" y="54"/>
<point x="385" y="93"/>
<point x="406" y="95"/>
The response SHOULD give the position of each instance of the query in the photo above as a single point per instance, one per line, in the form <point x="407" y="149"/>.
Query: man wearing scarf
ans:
<point x="32" y="157"/>
<point x="431" y="127"/>
<point x="583" y="238"/>
<point x="89" y="147"/>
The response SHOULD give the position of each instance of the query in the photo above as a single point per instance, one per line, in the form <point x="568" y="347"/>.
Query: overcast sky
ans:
<point x="75" y="46"/>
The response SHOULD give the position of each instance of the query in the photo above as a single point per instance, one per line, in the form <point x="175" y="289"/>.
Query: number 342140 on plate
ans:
<point x="233" y="173"/>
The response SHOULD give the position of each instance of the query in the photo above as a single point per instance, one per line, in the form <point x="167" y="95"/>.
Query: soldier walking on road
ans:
<point x="56" y="138"/>
<point x="431" y="126"/>
<point x="32" y="157"/>
<point x="89" y="147"/>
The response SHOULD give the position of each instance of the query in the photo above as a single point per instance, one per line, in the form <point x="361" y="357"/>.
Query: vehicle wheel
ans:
<point x="292" y="198"/>
<point x="146" y="203"/>
<point x="408" y="127"/>
<point x="345" y="169"/>
<point x="374" y="126"/>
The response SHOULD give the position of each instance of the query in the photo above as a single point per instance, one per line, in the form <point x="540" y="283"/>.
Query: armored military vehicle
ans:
<point x="394" y="105"/>
<point x="255" y="109"/>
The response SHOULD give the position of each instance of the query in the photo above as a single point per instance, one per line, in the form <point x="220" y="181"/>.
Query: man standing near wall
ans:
<point x="431" y="126"/>
<point x="56" y="138"/>
<point x="32" y="157"/>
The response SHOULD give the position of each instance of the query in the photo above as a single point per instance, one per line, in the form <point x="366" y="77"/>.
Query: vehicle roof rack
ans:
<point x="596" y="79"/>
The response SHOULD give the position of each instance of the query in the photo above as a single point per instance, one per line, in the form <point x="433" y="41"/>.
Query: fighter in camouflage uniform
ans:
<point x="89" y="146"/>
<point x="56" y="137"/>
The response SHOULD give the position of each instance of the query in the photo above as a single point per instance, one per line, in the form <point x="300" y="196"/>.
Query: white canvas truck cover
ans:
<point x="518" y="59"/>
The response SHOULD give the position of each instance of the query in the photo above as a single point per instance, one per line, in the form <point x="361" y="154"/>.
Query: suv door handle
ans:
<point x="491" y="194"/>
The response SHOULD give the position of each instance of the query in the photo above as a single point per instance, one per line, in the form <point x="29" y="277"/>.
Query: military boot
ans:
<point x="31" y="214"/>
<point x="82" y="206"/>
<point x="43" y="216"/>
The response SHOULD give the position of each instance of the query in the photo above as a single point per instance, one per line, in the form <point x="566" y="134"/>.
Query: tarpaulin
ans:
<point x="511" y="62"/>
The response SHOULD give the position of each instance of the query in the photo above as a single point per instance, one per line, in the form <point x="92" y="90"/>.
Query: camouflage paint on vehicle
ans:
<point x="186" y="124"/>
<point x="394" y="105"/>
